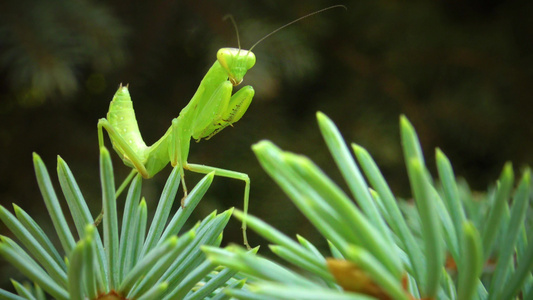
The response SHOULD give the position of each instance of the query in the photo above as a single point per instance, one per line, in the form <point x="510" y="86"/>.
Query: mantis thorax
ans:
<point x="236" y="62"/>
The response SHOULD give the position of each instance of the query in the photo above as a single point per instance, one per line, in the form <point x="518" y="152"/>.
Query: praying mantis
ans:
<point x="212" y="108"/>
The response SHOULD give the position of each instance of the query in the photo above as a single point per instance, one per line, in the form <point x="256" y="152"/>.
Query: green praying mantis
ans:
<point x="212" y="108"/>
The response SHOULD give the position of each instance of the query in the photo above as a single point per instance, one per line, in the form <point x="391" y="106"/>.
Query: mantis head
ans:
<point x="236" y="62"/>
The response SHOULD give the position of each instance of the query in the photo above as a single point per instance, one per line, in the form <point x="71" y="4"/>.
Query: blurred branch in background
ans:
<point x="46" y="44"/>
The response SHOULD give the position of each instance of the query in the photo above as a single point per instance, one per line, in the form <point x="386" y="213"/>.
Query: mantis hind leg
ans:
<point x="128" y="154"/>
<point x="103" y="123"/>
<point x="228" y="174"/>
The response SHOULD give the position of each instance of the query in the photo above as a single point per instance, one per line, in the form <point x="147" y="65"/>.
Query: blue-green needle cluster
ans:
<point x="127" y="263"/>
<point x="448" y="245"/>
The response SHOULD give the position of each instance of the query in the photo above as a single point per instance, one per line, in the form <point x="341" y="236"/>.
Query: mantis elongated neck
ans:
<point x="207" y="87"/>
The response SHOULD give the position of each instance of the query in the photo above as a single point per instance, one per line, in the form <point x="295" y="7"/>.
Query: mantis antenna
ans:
<point x="292" y="22"/>
<point x="235" y="26"/>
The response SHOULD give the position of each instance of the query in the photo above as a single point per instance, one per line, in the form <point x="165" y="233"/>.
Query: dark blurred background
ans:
<point x="460" y="70"/>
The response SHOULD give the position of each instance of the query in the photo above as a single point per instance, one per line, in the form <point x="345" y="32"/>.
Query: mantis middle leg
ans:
<point x="203" y="169"/>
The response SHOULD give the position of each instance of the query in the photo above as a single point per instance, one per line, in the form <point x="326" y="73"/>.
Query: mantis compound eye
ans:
<point x="225" y="58"/>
